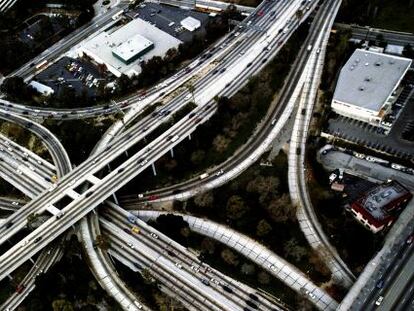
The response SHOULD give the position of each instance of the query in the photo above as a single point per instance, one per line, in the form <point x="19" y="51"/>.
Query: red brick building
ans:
<point x="380" y="206"/>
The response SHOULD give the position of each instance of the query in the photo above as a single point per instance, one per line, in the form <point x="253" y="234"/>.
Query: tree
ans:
<point x="292" y="249"/>
<point x="31" y="219"/>
<point x="208" y="245"/>
<point x="229" y="257"/>
<point x="205" y="199"/>
<point x="197" y="157"/>
<point x="263" y="278"/>
<point x="102" y="242"/>
<point x="247" y="269"/>
<point x="264" y="186"/>
<point x="62" y="305"/>
<point x="220" y="143"/>
<point x="263" y="228"/>
<point x="280" y="209"/>
<point x="236" y="208"/>
<point x="299" y="14"/>
<point x="147" y="276"/>
<point x="408" y="51"/>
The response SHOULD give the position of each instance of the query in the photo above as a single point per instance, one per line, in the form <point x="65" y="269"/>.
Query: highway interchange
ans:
<point x="219" y="71"/>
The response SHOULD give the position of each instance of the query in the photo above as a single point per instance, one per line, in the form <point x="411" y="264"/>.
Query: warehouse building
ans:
<point x="122" y="50"/>
<point x="368" y="85"/>
<point x="379" y="206"/>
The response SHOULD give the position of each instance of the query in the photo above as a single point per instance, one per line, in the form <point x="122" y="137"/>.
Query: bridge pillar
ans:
<point x="153" y="169"/>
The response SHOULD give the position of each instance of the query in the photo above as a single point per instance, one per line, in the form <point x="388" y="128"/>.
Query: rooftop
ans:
<point x="101" y="46"/>
<point x="133" y="46"/>
<point x="190" y="23"/>
<point x="376" y="200"/>
<point x="368" y="78"/>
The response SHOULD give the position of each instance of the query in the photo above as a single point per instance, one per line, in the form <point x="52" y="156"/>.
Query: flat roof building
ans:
<point x="190" y="23"/>
<point x="367" y="83"/>
<point x="132" y="49"/>
<point x="122" y="50"/>
<point x="379" y="206"/>
<point x="41" y="88"/>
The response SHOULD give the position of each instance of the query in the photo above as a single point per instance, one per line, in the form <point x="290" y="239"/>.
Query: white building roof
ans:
<point x="394" y="49"/>
<point x="41" y="88"/>
<point x="101" y="46"/>
<point x="133" y="46"/>
<point x="190" y="23"/>
<point x="368" y="79"/>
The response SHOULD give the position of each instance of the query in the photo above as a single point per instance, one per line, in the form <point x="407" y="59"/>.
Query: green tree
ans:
<point x="197" y="157"/>
<point x="62" y="305"/>
<point x="263" y="228"/>
<point x="229" y="257"/>
<point x="31" y="219"/>
<point x="280" y="209"/>
<point x="236" y="207"/>
<point x="205" y="199"/>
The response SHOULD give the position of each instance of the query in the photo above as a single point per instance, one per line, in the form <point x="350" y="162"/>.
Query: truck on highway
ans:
<point x="204" y="175"/>
<point x="41" y="64"/>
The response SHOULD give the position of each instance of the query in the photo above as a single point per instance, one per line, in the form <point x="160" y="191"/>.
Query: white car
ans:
<point x="379" y="300"/>
<point x="219" y="172"/>
<point x="179" y="266"/>
<point x="130" y="245"/>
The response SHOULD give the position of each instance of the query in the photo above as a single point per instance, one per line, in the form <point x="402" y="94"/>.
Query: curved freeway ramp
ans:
<point x="297" y="184"/>
<point x="257" y="253"/>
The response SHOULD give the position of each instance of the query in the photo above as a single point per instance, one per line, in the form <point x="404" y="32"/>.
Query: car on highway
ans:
<point x="20" y="288"/>
<point x="154" y="235"/>
<point x="135" y="229"/>
<point x="220" y="172"/>
<point x="139" y="306"/>
<point x="410" y="239"/>
<point x="15" y="203"/>
<point x="379" y="300"/>
<point x="130" y="245"/>
<point x="143" y="162"/>
<point x="205" y="282"/>
<point x="60" y="214"/>
<point x="37" y="239"/>
<point x="179" y="266"/>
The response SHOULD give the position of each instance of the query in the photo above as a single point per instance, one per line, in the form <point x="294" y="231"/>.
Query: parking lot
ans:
<point x="398" y="142"/>
<point x="168" y="18"/>
<point x="82" y="76"/>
